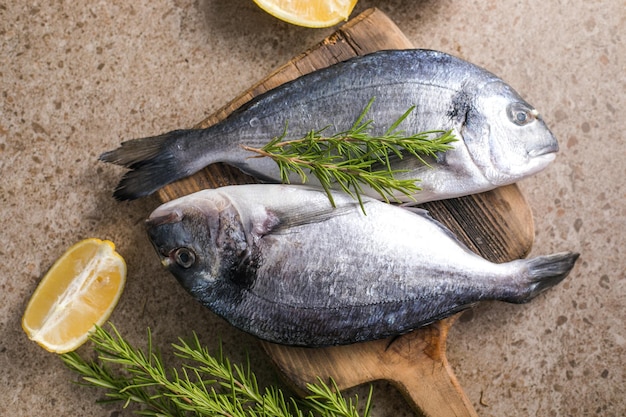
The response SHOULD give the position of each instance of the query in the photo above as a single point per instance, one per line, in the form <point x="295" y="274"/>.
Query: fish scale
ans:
<point x="279" y="262"/>
<point x="501" y="138"/>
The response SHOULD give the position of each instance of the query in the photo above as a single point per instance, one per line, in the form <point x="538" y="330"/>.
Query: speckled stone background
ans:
<point x="76" y="78"/>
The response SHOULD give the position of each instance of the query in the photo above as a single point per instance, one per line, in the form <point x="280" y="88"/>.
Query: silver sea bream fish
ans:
<point x="279" y="262"/>
<point x="502" y="138"/>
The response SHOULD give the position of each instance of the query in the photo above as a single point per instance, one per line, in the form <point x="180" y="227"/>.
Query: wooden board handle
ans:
<point x="415" y="363"/>
<point x="426" y="378"/>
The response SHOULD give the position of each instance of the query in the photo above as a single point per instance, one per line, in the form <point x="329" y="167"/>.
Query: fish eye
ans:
<point x="520" y="114"/>
<point x="184" y="257"/>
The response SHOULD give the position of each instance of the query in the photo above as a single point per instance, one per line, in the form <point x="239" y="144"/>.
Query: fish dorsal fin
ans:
<point x="426" y="214"/>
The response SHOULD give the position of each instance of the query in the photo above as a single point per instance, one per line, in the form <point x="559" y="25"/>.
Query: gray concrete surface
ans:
<point x="76" y="78"/>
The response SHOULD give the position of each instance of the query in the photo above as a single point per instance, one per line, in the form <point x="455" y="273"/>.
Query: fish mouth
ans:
<point x="549" y="150"/>
<point x="165" y="261"/>
<point x="153" y="226"/>
<point x="164" y="256"/>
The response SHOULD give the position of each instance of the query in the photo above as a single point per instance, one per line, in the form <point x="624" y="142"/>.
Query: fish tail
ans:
<point x="545" y="272"/>
<point x="153" y="163"/>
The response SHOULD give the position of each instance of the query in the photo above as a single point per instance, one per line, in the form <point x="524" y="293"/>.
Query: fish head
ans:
<point x="198" y="238"/>
<point x="505" y="136"/>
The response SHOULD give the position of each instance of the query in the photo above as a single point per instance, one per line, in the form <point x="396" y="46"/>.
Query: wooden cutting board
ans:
<point x="498" y="225"/>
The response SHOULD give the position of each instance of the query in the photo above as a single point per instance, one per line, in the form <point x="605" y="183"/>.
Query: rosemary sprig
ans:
<point x="205" y="385"/>
<point x="354" y="158"/>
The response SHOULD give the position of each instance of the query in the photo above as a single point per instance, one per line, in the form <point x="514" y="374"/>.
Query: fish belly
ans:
<point x="357" y="277"/>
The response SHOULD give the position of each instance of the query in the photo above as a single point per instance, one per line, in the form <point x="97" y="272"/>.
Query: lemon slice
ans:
<point x="78" y="292"/>
<point x="309" y="13"/>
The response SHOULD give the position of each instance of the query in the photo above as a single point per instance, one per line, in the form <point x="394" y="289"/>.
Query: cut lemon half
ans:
<point x="309" y="13"/>
<point x="78" y="292"/>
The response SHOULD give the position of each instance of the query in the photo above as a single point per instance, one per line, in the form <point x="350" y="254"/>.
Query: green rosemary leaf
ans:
<point x="395" y="124"/>
<point x="358" y="126"/>
<point x="205" y="385"/>
<point x="350" y="159"/>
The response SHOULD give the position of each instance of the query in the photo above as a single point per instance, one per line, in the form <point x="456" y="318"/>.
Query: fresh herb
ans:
<point x="354" y="158"/>
<point x="205" y="385"/>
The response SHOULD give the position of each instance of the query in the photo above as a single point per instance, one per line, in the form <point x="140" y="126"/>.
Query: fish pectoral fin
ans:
<point x="305" y="215"/>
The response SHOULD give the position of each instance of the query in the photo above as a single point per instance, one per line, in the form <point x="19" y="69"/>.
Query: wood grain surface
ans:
<point x="497" y="224"/>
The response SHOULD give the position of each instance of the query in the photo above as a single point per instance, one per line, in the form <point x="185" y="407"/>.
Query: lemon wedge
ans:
<point x="77" y="293"/>
<point x="309" y="13"/>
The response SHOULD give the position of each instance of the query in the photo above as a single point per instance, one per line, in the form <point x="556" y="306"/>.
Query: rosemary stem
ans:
<point x="355" y="156"/>
<point x="206" y="385"/>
